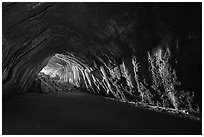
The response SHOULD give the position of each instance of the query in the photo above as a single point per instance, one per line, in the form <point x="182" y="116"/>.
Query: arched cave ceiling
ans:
<point x="34" y="32"/>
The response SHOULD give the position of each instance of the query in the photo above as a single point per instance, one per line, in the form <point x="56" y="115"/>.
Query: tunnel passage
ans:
<point x="132" y="52"/>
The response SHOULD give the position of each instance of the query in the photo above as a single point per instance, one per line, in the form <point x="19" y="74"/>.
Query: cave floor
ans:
<point x="82" y="113"/>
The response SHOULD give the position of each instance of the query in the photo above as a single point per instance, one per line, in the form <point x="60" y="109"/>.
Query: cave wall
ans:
<point x="98" y="33"/>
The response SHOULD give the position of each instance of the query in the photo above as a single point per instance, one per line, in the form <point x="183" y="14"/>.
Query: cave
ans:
<point x="101" y="68"/>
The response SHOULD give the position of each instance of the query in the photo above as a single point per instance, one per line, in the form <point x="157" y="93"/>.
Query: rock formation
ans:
<point x="141" y="52"/>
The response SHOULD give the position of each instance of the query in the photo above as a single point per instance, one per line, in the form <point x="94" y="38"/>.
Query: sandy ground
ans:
<point x="81" y="113"/>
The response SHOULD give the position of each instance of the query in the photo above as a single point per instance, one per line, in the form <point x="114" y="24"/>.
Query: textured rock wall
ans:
<point x="103" y="36"/>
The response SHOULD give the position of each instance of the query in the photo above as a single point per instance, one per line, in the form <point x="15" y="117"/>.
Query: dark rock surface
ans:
<point x="81" y="113"/>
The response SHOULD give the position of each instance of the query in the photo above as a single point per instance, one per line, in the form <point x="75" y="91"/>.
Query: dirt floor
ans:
<point x="81" y="113"/>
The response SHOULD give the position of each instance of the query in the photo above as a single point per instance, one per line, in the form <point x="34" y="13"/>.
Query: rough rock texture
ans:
<point x="102" y="36"/>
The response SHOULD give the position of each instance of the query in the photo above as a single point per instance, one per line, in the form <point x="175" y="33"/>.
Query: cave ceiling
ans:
<point x="97" y="34"/>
